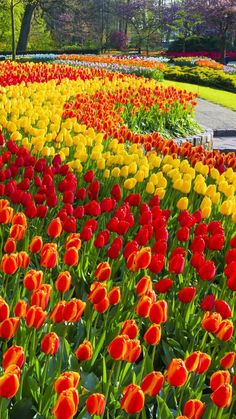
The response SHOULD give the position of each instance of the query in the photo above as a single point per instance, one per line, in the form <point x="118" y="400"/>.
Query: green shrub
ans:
<point x="148" y="73"/>
<point x="202" y="76"/>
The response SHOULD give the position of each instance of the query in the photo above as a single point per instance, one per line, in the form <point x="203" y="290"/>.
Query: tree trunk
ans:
<point x="223" y="47"/>
<point x="13" y="34"/>
<point x="25" y="28"/>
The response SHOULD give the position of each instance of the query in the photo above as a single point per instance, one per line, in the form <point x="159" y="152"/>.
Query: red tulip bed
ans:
<point x="118" y="253"/>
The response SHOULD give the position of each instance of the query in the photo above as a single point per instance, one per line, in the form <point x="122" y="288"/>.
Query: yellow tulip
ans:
<point x="182" y="203"/>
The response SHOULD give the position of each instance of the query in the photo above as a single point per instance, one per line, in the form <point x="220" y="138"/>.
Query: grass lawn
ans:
<point x="220" y="97"/>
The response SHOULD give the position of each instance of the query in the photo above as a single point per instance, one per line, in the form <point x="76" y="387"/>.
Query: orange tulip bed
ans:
<point x="118" y="252"/>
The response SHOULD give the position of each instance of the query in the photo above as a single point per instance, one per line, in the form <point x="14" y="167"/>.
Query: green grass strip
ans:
<point x="220" y="97"/>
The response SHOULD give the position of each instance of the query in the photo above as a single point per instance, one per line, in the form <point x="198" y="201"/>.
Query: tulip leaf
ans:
<point x="98" y="348"/>
<point x="163" y="409"/>
<point x="89" y="381"/>
<point x="22" y="409"/>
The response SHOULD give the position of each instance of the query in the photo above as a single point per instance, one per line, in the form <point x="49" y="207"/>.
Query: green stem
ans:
<point x="45" y="373"/>
<point x="1" y="404"/>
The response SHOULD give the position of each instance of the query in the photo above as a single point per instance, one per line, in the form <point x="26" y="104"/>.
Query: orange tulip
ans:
<point x="10" y="245"/>
<point x="66" y="405"/>
<point x="49" y="255"/>
<point x="95" y="404"/>
<point x="4" y="310"/>
<point x="6" y="215"/>
<point x="219" y="378"/>
<point x="50" y="343"/>
<point x="13" y="356"/>
<point x="40" y="296"/>
<point x="23" y="259"/>
<point x="211" y="321"/>
<point x="8" y="327"/>
<point x="21" y="308"/>
<point x="194" y="409"/>
<point x="17" y="232"/>
<point x="63" y="281"/>
<point x="159" y="312"/>
<point x="55" y="228"/>
<point x="114" y="296"/>
<point x="143" y="258"/>
<point x="152" y="383"/>
<point x="33" y="279"/>
<point x="133" y="350"/>
<point x="225" y="330"/>
<point x="118" y="347"/>
<point x="228" y="360"/>
<point x="57" y="314"/>
<point x="73" y="240"/>
<point x="36" y="244"/>
<point x="143" y="307"/>
<point x="152" y="335"/>
<point x="9" y="263"/>
<point x="222" y="396"/>
<point x="130" y="328"/>
<point x="103" y="271"/>
<point x="177" y="373"/>
<point x="73" y="310"/>
<point x="9" y="382"/>
<point x="68" y="379"/>
<point x="98" y="292"/>
<point x="133" y="399"/>
<point x="143" y="286"/>
<point x="19" y="218"/>
<point x="198" y="362"/>
<point x="102" y="306"/>
<point x="84" y="352"/>
<point x="35" y="317"/>
<point x="71" y="256"/>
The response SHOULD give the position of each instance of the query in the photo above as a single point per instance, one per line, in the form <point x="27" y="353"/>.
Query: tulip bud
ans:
<point x="152" y="383"/>
<point x="10" y="245"/>
<point x="219" y="378"/>
<point x="66" y="405"/>
<point x="35" y="317"/>
<point x="36" y="244"/>
<point x="159" y="312"/>
<point x="164" y="285"/>
<point x="84" y="352"/>
<point x="153" y="334"/>
<point x="9" y="263"/>
<point x="118" y="347"/>
<point x="4" y="310"/>
<point x="63" y="282"/>
<point x="133" y="399"/>
<point x="143" y="307"/>
<point x="73" y="310"/>
<point x="71" y="256"/>
<point x="9" y="327"/>
<point x="194" y="409"/>
<point x="9" y="382"/>
<point x="222" y="396"/>
<point x="228" y="360"/>
<point x="95" y="404"/>
<point x="13" y="356"/>
<point x="55" y="228"/>
<point x="225" y="330"/>
<point x="130" y="328"/>
<point x="50" y="343"/>
<point x="114" y="296"/>
<point x="211" y="322"/>
<point x="186" y="295"/>
<point x="103" y="271"/>
<point x="68" y="379"/>
<point x="49" y="256"/>
<point x="176" y="374"/>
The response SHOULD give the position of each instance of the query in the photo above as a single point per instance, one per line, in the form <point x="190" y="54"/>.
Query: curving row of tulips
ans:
<point x="118" y="265"/>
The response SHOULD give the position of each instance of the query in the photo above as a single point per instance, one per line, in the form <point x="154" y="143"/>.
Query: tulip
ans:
<point x="49" y="255"/>
<point x="143" y="258"/>
<point x="152" y="383"/>
<point x="102" y="306"/>
<point x="63" y="282"/>
<point x="66" y="405"/>
<point x="19" y="218"/>
<point x="9" y="382"/>
<point x="9" y="327"/>
<point x="36" y="244"/>
<point x="68" y="379"/>
<point x="130" y="328"/>
<point x="186" y="295"/>
<point x="50" y="343"/>
<point x="4" y="310"/>
<point x="21" y="308"/>
<point x="17" y="232"/>
<point x="143" y="286"/>
<point x="164" y="285"/>
<point x="55" y="228"/>
<point x="222" y="396"/>
<point x="13" y="356"/>
<point x="57" y="314"/>
<point x="198" y="362"/>
<point x="40" y="296"/>
<point x="176" y="264"/>
<point x="103" y="271"/>
<point x="143" y="307"/>
<point x="73" y="310"/>
<point x="225" y="330"/>
<point x="152" y="335"/>
<point x="33" y="279"/>
<point x="133" y="350"/>
<point x="114" y="296"/>
<point x="211" y="322"/>
<point x="9" y="263"/>
<point x="228" y="360"/>
<point x="35" y="317"/>
<point x="84" y="352"/>
<point x="71" y="256"/>
<point x="177" y="373"/>
<point x="10" y="245"/>
<point x="207" y="270"/>
<point x="194" y="409"/>
<point x="23" y="260"/>
<point x="118" y="347"/>
<point x="95" y="404"/>
<point x="219" y="378"/>
<point x="133" y="399"/>
<point x="159" y="312"/>
<point x="73" y="240"/>
<point x="223" y="308"/>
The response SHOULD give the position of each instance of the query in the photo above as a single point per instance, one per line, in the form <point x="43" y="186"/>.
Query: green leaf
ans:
<point x="22" y="409"/>
<point x="89" y="381"/>
<point x="165" y="411"/>
<point x="98" y="348"/>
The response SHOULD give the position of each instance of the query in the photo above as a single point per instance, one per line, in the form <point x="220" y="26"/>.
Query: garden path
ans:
<point x="217" y="117"/>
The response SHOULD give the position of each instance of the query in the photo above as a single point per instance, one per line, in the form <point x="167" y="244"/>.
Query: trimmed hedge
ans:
<point x="202" y="76"/>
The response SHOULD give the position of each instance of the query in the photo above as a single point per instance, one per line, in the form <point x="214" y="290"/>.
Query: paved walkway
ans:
<point x="217" y="117"/>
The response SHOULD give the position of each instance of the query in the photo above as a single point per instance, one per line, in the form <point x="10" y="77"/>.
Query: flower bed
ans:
<point x="117" y="258"/>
